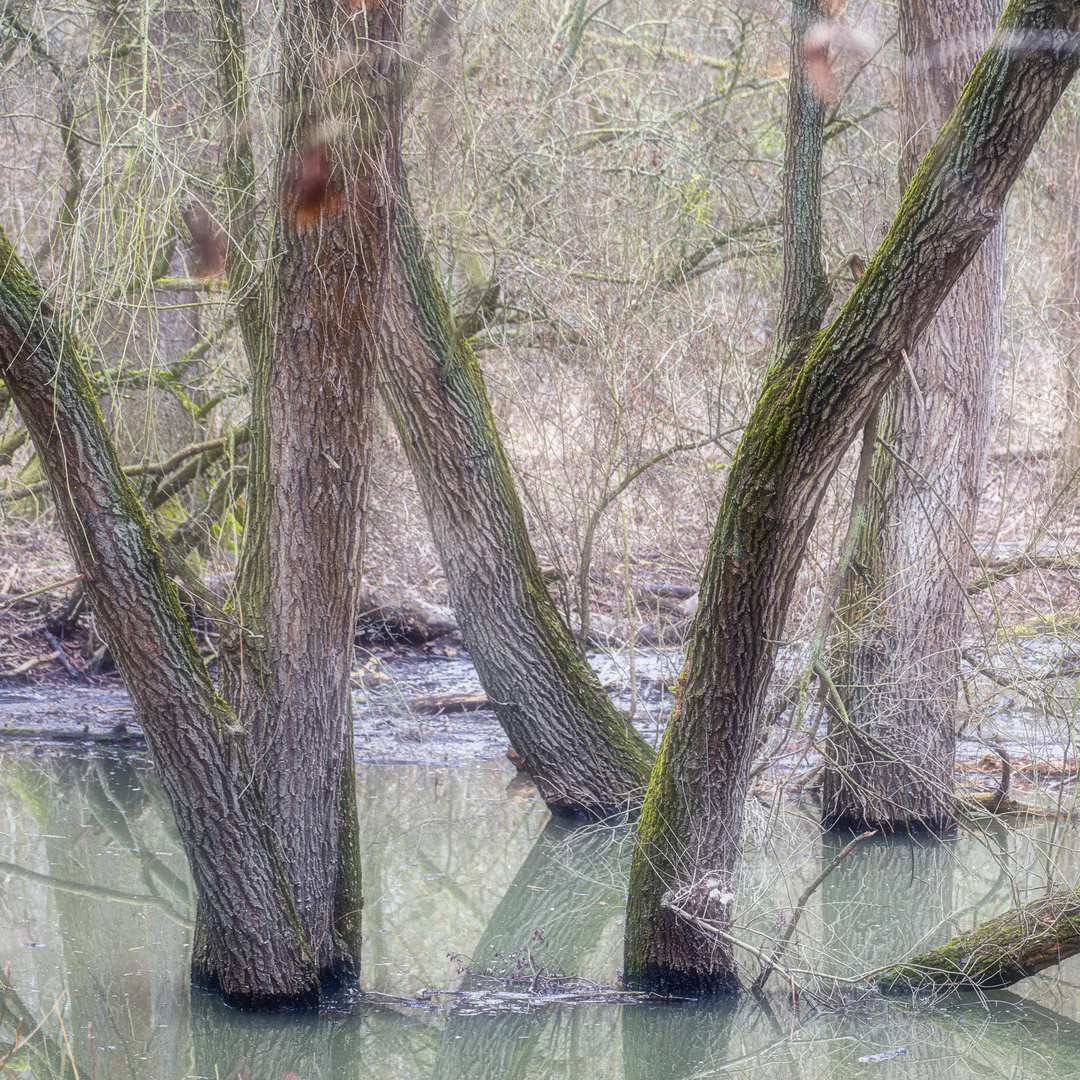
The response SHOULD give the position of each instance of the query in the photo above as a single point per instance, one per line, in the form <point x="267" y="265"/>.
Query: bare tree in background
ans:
<point x="1069" y="303"/>
<point x="891" y="743"/>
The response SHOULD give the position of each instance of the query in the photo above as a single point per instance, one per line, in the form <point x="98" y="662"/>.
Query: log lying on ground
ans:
<point x="393" y="616"/>
<point x="449" y="703"/>
<point x="1000" y="952"/>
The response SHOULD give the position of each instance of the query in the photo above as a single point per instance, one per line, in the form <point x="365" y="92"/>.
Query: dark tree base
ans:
<point x="337" y="976"/>
<point x="208" y="985"/>
<point x="340" y="975"/>
<point x="682" y="984"/>
<point x="847" y="822"/>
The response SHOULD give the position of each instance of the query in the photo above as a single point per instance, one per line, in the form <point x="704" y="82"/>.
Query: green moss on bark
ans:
<point x="996" y="954"/>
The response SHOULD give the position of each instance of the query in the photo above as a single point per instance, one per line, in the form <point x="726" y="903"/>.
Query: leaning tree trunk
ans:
<point x="996" y="953"/>
<point x="815" y="399"/>
<point x="201" y="752"/>
<point x="585" y="757"/>
<point x="287" y="668"/>
<point x="804" y="298"/>
<point x="892" y="747"/>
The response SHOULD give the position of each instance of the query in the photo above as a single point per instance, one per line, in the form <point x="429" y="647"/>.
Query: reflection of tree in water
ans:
<point x="568" y="889"/>
<point x="890" y="896"/>
<point x="574" y="1042"/>
<point x="380" y="1042"/>
<point x="1004" y="1035"/>
<point x="26" y="1041"/>
<point x="439" y="846"/>
<point x="115" y="953"/>
<point x="966" y="1035"/>
<point x="680" y="1042"/>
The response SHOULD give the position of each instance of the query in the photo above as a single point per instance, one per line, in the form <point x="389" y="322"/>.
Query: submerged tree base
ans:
<point x="669" y="983"/>
<point x="340" y="975"/>
<point x="852" y="822"/>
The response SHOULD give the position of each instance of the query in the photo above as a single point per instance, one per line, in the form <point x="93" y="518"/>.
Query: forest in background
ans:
<point x="605" y="203"/>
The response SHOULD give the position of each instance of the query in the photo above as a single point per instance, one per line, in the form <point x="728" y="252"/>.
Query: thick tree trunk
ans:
<point x="200" y="750"/>
<point x="585" y="757"/>
<point x="815" y="399"/>
<point x="264" y="798"/>
<point x="312" y="406"/>
<point x="997" y="953"/>
<point x="902" y="617"/>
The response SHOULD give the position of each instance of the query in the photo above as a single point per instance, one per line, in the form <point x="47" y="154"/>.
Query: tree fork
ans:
<point x="313" y="387"/>
<point x="199" y="748"/>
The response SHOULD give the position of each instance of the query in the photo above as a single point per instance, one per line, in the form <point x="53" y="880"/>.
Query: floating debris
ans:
<point x="888" y="1055"/>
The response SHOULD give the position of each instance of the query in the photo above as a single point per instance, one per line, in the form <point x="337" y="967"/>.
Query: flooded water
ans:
<point x="465" y="870"/>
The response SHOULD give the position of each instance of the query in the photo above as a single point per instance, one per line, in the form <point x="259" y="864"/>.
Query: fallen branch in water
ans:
<point x="1000" y="952"/>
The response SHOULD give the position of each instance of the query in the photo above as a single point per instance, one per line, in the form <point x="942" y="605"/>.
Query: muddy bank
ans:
<point x="393" y="722"/>
<point x="419" y="705"/>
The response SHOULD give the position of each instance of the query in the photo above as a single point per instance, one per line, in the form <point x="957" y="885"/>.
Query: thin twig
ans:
<point x="23" y="668"/>
<point x="40" y="589"/>
<point x="796" y="915"/>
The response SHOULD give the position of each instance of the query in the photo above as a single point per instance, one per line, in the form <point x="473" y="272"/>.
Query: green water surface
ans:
<point x="464" y="869"/>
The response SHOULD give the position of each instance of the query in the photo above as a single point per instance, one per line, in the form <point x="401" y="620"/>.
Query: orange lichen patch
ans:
<point x="207" y="251"/>
<point x="309" y="190"/>
<point x="819" y="57"/>
<point x="371" y="6"/>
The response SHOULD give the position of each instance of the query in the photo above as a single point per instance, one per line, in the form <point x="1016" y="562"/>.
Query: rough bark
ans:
<point x="584" y="756"/>
<point x="997" y="953"/>
<point x="1069" y="303"/>
<point x="199" y="747"/>
<point x="263" y="794"/>
<point x="803" y="300"/>
<point x="287" y="668"/>
<point x="902" y="616"/>
<point x="816" y="397"/>
<point x="805" y="292"/>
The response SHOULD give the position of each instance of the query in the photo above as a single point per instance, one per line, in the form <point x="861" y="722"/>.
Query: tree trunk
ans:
<point x="584" y="756"/>
<point x="201" y="752"/>
<point x="264" y="796"/>
<point x="287" y="667"/>
<point x="1069" y="304"/>
<point x="998" y="953"/>
<point x="816" y="397"/>
<point x="804" y="297"/>
<point x="902" y="616"/>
